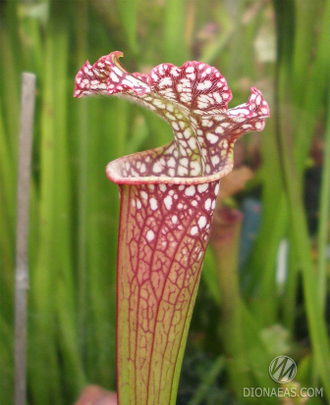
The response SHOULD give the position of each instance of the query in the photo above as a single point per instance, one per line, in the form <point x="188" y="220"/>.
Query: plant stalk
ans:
<point x="22" y="270"/>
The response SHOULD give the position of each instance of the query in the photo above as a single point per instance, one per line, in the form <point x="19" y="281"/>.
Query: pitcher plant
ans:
<point x="167" y="200"/>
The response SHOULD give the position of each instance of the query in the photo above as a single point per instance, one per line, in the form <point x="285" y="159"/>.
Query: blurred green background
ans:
<point x="278" y="289"/>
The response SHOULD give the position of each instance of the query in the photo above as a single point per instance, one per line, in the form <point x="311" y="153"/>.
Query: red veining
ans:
<point x="167" y="201"/>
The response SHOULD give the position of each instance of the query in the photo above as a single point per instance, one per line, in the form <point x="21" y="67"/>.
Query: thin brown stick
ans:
<point x="22" y="273"/>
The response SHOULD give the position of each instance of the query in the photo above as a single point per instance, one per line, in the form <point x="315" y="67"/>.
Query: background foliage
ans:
<point x="281" y="47"/>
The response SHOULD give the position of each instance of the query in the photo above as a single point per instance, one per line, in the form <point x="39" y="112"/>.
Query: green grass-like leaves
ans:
<point x="74" y="209"/>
